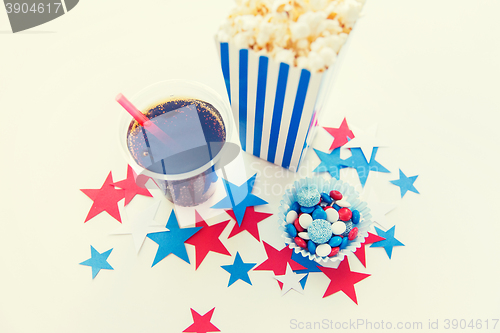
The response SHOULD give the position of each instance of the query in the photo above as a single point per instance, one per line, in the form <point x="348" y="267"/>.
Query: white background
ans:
<point x="426" y="71"/>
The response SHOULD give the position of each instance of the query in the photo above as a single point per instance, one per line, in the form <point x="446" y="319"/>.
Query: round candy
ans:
<point x="335" y="195"/>
<point x="326" y="198"/>
<point x="356" y="216"/>
<point x="335" y="241"/>
<point x="343" y="245"/>
<point x="305" y="220"/>
<point x="297" y="226"/>
<point x="334" y="251"/>
<point x="295" y="206"/>
<point x="319" y="214"/>
<point x="320" y="231"/>
<point x="311" y="247"/>
<point x="338" y="228"/>
<point x="343" y="203"/>
<point x="323" y="250"/>
<point x="332" y="215"/>
<point x="353" y="234"/>
<point x="345" y="214"/>
<point x="307" y="210"/>
<point x="291" y="216"/>
<point x="300" y="242"/>
<point x="308" y="197"/>
<point x="337" y="207"/>
<point x="304" y="235"/>
<point x="348" y="228"/>
<point x="325" y="208"/>
<point x="291" y="230"/>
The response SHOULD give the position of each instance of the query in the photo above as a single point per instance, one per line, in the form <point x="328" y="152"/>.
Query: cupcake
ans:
<point x="277" y="59"/>
<point x="323" y="220"/>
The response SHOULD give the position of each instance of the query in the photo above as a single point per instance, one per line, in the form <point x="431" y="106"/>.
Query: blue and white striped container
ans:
<point x="275" y="105"/>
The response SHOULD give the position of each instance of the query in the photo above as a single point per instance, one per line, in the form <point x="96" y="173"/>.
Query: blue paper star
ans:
<point x="358" y="162"/>
<point x="172" y="241"/>
<point x="97" y="261"/>
<point x="239" y="198"/>
<point x="405" y="183"/>
<point x="331" y="163"/>
<point x="389" y="241"/>
<point x="238" y="270"/>
<point x="310" y="265"/>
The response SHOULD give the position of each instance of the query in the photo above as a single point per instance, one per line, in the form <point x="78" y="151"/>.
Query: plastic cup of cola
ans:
<point x="183" y="142"/>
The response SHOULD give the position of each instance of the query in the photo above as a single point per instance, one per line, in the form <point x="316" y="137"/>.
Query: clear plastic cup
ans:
<point x="184" y="168"/>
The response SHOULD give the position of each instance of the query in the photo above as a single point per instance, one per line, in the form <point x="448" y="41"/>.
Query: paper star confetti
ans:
<point x="366" y="141"/>
<point x="290" y="280"/>
<point x="340" y="135"/>
<point x="202" y="324"/>
<point x="405" y="183"/>
<point x="389" y="242"/>
<point x="360" y="252"/>
<point x="105" y="199"/>
<point x="238" y="270"/>
<point x="207" y="239"/>
<point x="359" y="162"/>
<point x="343" y="279"/>
<point x="97" y="261"/>
<point x="378" y="209"/>
<point x="130" y="186"/>
<point x="239" y="198"/>
<point x="172" y="241"/>
<point x="330" y="162"/>
<point x="141" y="225"/>
<point x="311" y="266"/>
<point x="277" y="260"/>
<point x="249" y="223"/>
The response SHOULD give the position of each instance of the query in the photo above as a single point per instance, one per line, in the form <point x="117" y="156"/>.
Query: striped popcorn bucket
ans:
<point x="275" y="105"/>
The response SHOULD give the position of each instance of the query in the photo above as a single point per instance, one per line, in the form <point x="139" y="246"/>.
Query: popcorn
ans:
<point x="303" y="33"/>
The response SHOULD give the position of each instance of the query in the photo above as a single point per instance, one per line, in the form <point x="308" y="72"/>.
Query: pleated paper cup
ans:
<point x="349" y="193"/>
<point x="275" y="104"/>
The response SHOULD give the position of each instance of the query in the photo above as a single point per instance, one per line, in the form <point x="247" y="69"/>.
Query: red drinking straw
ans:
<point x="143" y="120"/>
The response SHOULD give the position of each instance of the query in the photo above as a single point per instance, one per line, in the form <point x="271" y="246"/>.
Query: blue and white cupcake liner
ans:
<point x="349" y="193"/>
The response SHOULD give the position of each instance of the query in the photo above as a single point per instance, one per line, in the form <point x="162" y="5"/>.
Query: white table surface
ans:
<point x="426" y="71"/>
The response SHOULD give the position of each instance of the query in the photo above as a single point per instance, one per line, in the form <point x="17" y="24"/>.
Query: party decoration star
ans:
<point x="249" y="223"/>
<point x="378" y="209"/>
<point x="105" y="199"/>
<point x="130" y="186"/>
<point x="290" y="281"/>
<point x="202" y="324"/>
<point x="141" y="225"/>
<point x="389" y="242"/>
<point x="359" y="162"/>
<point x="311" y="266"/>
<point x="239" y="198"/>
<point x="405" y="183"/>
<point x="238" y="270"/>
<point x="172" y="241"/>
<point x="343" y="279"/>
<point x="97" y="261"/>
<point x="331" y="162"/>
<point x="366" y="140"/>
<point x="360" y="252"/>
<point x="340" y="135"/>
<point x="207" y="239"/>
<point x="276" y="260"/>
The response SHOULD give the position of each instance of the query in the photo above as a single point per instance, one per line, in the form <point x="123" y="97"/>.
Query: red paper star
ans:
<point x="105" y="199"/>
<point x="342" y="279"/>
<point x="130" y="186"/>
<point x="360" y="252"/>
<point x="277" y="260"/>
<point x="340" y="134"/>
<point x="202" y="324"/>
<point x="249" y="223"/>
<point x="207" y="239"/>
